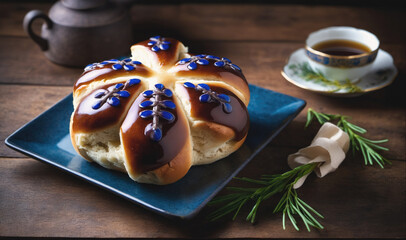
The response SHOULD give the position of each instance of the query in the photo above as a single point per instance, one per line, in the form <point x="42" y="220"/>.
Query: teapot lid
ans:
<point x="88" y="13"/>
<point x="83" y="4"/>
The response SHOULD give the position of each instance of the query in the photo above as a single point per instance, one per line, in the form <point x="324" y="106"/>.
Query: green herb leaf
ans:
<point x="367" y="147"/>
<point x="315" y="76"/>
<point x="290" y="204"/>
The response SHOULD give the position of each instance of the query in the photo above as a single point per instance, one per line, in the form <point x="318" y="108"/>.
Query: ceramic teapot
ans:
<point x="79" y="32"/>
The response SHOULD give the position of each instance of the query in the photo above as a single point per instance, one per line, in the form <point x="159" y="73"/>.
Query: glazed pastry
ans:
<point x="156" y="114"/>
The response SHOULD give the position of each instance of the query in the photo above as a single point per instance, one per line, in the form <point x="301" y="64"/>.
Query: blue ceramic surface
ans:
<point x="47" y="139"/>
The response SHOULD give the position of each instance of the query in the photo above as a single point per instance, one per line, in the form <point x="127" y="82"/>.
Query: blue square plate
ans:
<point x="47" y="139"/>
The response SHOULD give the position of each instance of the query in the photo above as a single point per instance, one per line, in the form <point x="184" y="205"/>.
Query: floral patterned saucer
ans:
<point x="298" y="72"/>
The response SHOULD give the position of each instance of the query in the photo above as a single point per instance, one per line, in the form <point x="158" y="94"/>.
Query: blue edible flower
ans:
<point x="113" y="97"/>
<point x="127" y="64"/>
<point x="203" y="59"/>
<point x="158" y="43"/>
<point x="158" y="105"/>
<point x="210" y="96"/>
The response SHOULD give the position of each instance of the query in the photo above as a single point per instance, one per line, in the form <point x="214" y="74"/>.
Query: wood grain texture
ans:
<point x="18" y="52"/>
<point x="12" y="15"/>
<point x="253" y="22"/>
<point x="270" y="57"/>
<point x="21" y="104"/>
<point x="45" y="201"/>
<point x="261" y="22"/>
<point x="29" y="101"/>
<point x="38" y="200"/>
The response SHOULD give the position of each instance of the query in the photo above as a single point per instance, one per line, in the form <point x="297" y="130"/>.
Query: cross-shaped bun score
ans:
<point x="156" y="114"/>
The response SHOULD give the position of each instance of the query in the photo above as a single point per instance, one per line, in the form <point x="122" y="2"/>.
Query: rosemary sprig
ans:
<point x="308" y="74"/>
<point x="290" y="204"/>
<point x="368" y="148"/>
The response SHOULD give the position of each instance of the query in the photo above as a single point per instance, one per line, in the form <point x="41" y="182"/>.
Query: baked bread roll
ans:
<point x="158" y="113"/>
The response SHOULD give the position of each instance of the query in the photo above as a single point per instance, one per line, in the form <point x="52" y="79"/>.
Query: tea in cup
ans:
<point x="342" y="53"/>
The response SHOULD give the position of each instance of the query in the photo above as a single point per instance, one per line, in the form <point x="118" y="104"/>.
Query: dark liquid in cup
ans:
<point x="341" y="47"/>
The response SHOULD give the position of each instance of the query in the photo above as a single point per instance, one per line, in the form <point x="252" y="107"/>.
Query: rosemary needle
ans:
<point x="368" y="148"/>
<point x="290" y="204"/>
<point x="315" y="76"/>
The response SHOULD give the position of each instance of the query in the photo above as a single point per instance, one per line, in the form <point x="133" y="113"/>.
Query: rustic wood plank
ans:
<point x="39" y="200"/>
<point x="20" y="104"/>
<point x="24" y="63"/>
<point x="14" y="100"/>
<point x="388" y="112"/>
<point x="268" y="57"/>
<point x="261" y="21"/>
<point x="12" y="16"/>
<point x="237" y="22"/>
<point x="261" y="61"/>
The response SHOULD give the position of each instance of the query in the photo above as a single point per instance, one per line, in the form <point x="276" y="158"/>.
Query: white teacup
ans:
<point x="342" y="68"/>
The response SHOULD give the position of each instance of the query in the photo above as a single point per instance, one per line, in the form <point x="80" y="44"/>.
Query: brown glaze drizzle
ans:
<point x="143" y="154"/>
<point x="87" y="119"/>
<point x="225" y="74"/>
<point x="238" y="119"/>
<point x="164" y="57"/>
<point x="106" y="72"/>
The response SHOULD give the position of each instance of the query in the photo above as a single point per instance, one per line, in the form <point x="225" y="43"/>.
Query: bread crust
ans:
<point x="212" y="142"/>
<point x="170" y="172"/>
<point x="208" y="138"/>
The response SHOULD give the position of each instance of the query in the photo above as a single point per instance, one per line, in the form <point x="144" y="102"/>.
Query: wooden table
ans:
<point x="356" y="200"/>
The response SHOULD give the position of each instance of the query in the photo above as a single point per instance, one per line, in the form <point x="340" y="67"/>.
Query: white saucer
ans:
<point x="382" y="74"/>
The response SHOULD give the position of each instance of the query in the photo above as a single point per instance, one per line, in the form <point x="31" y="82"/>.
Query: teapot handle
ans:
<point x="27" y="24"/>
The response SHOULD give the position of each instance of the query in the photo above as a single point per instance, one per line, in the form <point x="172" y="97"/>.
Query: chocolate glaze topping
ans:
<point x="87" y="118"/>
<point x="164" y="56"/>
<point x="143" y="153"/>
<point x="208" y="70"/>
<point x="237" y="119"/>
<point x="155" y="129"/>
<point x="106" y="71"/>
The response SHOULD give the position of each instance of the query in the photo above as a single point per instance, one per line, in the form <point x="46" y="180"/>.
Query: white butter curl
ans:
<point x="328" y="148"/>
